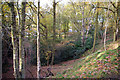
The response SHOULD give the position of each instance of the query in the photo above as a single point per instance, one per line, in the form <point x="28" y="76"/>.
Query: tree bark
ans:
<point x="38" y="42"/>
<point x="95" y="32"/>
<point x="14" y="40"/>
<point x="118" y="35"/>
<point x="118" y="16"/>
<point x="83" y="25"/>
<point x="54" y="20"/>
<point x="54" y="27"/>
<point x="88" y="28"/>
<point x="115" y="29"/>
<point x="20" y="46"/>
<point x="21" y="40"/>
<point x="106" y="27"/>
<point x="105" y="37"/>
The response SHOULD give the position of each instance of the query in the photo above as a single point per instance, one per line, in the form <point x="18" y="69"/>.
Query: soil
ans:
<point x="31" y="71"/>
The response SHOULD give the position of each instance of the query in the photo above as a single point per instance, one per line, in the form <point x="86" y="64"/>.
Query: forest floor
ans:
<point x="63" y="68"/>
<point x="32" y="70"/>
<point x="100" y="64"/>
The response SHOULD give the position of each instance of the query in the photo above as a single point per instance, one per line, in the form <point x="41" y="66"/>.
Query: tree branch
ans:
<point x="106" y="9"/>
<point x="43" y="25"/>
<point x="34" y="9"/>
<point x="34" y="22"/>
<point x="58" y="2"/>
<point x="113" y="4"/>
<point x="30" y="73"/>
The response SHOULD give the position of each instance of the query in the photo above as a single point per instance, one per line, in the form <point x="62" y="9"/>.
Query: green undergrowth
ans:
<point x="101" y="64"/>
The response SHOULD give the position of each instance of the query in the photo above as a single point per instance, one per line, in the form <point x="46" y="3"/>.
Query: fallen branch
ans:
<point x="30" y="73"/>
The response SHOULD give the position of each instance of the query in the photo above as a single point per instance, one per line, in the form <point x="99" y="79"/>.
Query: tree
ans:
<point x="118" y="22"/>
<point x="38" y="41"/>
<point x="54" y="27"/>
<point x="115" y="11"/>
<point x="95" y="32"/>
<point x="14" y="39"/>
<point x="83" y="25"/>
<point x="1" y="33"/>
<point x="21" y="42"/>
<point x="106" y="28"/>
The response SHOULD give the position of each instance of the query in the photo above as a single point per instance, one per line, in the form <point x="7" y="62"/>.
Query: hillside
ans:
<point x="100" y="64"/>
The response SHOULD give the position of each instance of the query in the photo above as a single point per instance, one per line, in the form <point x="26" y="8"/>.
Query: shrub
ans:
<point x="78" y="43"/>
<point x="66" y="52"/>
<point x="89" y="43"/>
<point x="73" y="50"/>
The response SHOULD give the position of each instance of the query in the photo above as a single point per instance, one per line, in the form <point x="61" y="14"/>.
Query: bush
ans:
<point x="78" y="43"/>
<point x="66" y="52"/>
<point x="73" y="50"/>
<point x="89" y="43"/>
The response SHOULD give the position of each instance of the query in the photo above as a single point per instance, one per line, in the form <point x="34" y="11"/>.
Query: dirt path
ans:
<point x="54" y="69"/>
<point x="32" y="70"/>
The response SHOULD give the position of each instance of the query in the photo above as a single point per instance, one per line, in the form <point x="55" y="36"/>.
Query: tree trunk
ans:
<point x="105" y="37"/>
<point x="59" y="24"/>
<point x="118" y="35"/>
<point x="114" y="30"/>
<point x="106" y="27"/>
<point x="95" y="32"/>
<point x="23" y="38"/>
<point x="114" y="36"/>
<point x="21" y="41"/>
<point x="118" y="16"/>
<point x="88" y="28"/>
<point x="20" y="46"/>
<point x="54" y="26"/>
<point x="46" y="33"/>
<point x="38" y="43"/>
<point x="83" y="25"/>
<point x="14" y="40"/>
<point x="64" y="33"/>
<point x="1" y="37"/>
